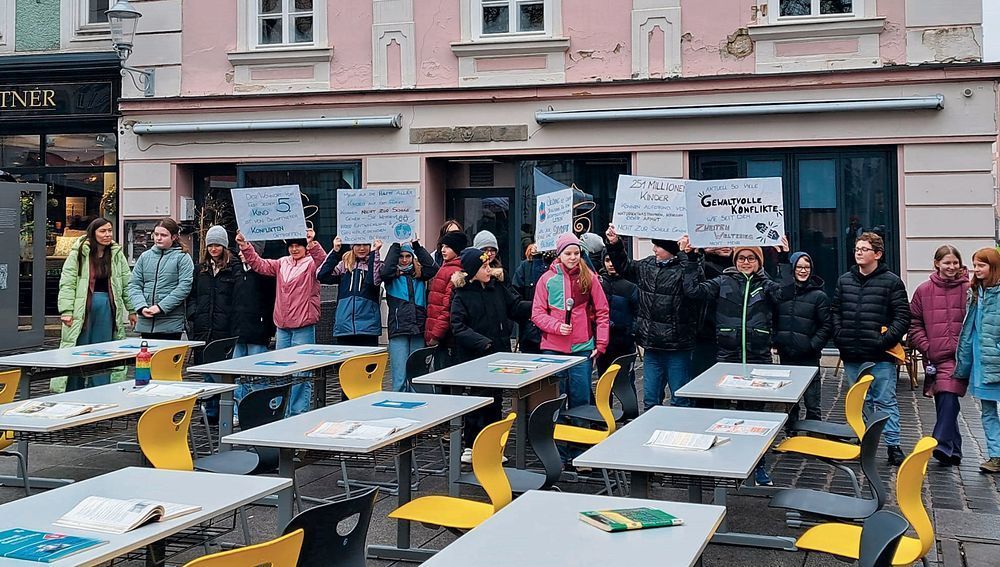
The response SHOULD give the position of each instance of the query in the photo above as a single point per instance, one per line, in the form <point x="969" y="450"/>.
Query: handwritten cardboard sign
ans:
<point x="735" y="212"/>
<point x="650" y="207"/>
<point x="269" y="213"/>
<point x="365" y="215"/>
<point x="553" y="216"/>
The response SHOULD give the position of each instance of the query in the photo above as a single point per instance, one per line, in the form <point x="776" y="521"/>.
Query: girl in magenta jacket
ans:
<point x="938" y="309"/>
<point x="586" y="333"/>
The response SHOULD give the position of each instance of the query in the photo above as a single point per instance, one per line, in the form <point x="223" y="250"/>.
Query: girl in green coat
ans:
<point x="93" y="303"/>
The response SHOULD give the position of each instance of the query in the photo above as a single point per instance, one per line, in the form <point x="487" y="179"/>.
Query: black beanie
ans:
<point x="472" y="259"/>
<point x="668" y="245"/>
<point x="300" y="241"/>
<point x="457" y="241"/>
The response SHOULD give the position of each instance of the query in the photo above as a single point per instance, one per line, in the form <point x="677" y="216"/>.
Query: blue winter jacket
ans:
<point x="406" y="294"/>
<point x="989" y="339"/>
<point x="358" y="294"/>
<point x="161" y="277"/>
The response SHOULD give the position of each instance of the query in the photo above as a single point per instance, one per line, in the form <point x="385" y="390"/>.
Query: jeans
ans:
<point x="881" y="395"/>
<point x="400" y="349"/>
<point x="991" y="426"/>
<point x="575" y="381"/>
<point x="946" y="431"/>
<point x="811" y="398"/>
<point x="662" y="368"/>
<point x="301" y="398"/>
<point x="98" y="327"/>
<point x="244" y="388"/>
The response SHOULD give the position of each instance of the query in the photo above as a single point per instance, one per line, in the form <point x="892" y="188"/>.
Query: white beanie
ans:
<point x="217" y="235"/>
<point x="485" y="239"/>
<point x="592" y="242"/>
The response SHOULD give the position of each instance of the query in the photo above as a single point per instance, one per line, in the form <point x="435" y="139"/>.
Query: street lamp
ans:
<point x="123" y="19"/>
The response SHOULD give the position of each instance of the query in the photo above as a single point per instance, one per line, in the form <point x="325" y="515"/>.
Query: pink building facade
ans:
<point x="877" y="114"/>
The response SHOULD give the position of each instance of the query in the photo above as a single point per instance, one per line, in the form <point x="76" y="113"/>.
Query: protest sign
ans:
<point x="366" y="215"/>
<point x="735" y="212"/>
<point x="650" y="207"/>
<point x="269" y="213"/>
<point x="553" y="216"/>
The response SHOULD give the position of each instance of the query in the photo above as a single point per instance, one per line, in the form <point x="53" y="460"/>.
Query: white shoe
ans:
<point x="467" y="456"/>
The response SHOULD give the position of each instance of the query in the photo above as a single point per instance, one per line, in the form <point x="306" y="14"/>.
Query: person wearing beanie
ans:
<point x="356" y="271"/>
<point x="487" y="242"/>
<point x="802" y="328"/>
<point x="593" y="244"/>
<point x="666" y="319"/>
<point x="450" y="225"/>
<point x="525" y="278"/>
<point x="623" y="306"/>
<point x="480" y="314"/>
<point x="407" y="269"/>
<point x="714" y="262"/>
<point x="438" y="329"/>
<point x="581" y="328"/>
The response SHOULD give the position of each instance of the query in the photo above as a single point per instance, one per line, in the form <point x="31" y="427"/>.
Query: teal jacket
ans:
<point x="988" y="336"/>
<point x="161" y="277"/>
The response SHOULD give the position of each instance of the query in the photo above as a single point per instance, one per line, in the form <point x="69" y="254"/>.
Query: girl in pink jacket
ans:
<point x="579" y="328"/>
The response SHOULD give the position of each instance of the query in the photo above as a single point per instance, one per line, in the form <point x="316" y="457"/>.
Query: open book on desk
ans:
<point x="684" y="440"/>
<point x="110" y="515"/>
<point x="168" y="390"/>
<point x="372" y="430"/>
<point x="752" y="383"/>
<point x="55" y="410"/>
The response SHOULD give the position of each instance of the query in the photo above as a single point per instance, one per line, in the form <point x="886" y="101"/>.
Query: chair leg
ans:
<point x="854" y="478"/>
<point x="243" y="522"/>
<point x="607" y="482"/>
<point x="347" y="481"/>
<point x="22" y="466"/>
<point x="296" y="494"/>
<point x="208" y="430"/>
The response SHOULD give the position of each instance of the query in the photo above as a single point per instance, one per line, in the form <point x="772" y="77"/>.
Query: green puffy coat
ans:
<point x="74" y="292"/>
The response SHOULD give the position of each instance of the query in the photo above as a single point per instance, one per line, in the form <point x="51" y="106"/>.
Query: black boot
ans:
<point x="896" y="455"/>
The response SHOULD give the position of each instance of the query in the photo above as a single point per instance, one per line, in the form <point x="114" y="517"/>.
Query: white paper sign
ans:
<point x="650" y="207"/>
<point x="553" y="216"/>
<point x="364" y="215"/>
<point x="269" y="213"/>
<point x="735" y="212"/>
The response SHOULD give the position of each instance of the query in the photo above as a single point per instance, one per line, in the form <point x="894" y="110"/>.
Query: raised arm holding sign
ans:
<point x="269" y="213"/>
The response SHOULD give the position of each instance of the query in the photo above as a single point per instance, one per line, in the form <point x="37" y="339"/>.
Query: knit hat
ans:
<point x="756" y="250"/>
<point x="217" y="235"/>
<point x="592" y="242"/>
<point x="455" y="240"/>
<point x="300" y="241"/>
<point x="406" y="247"/>
<point x="567" y="239"/>
<point x="668" y="245"/>
<point x="485" y="239"/>
<point x="472" y="259"/>
<point x="796" y="256"/>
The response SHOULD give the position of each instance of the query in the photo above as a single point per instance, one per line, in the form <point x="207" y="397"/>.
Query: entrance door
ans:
<point x="22" y="265"/>
<point x="487" y="209"/>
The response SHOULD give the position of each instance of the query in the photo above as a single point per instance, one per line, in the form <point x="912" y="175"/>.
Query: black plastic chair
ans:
<point x="621" y="389"/>
<point x="419" y="363"/>
<point x="324" y="546"/>
<point x="217" y="350"/>
<point x="831" y="429"/>
<point x="541" y="424"/>
<point x="880" y="537"/>
<point x="842" y="507"/>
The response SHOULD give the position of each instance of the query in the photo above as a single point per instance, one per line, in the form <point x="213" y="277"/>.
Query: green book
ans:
<point x="629" y="519"/>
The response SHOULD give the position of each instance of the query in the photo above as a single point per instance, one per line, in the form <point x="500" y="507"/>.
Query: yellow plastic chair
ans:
<point x="279" y="552"/>
<point x="854" y="407"/>
<point x="590" y="437"/>
<point x="845" y="539"/>
<point x="8" y="389"/>
<point x="168" y="364"/>
<point x="459" y="513"/>
<point x="362" y="375"/>
<point x="832" y="451"/>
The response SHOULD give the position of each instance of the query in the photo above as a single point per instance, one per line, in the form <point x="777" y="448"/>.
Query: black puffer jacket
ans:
<point x="253" y="313"/>
<point x="525" y="278"/>
<point x="210" y="305"/>
<point x="713" y="265"/>
<point x="862" y="305"/>
<point x="802" y="323"/>
<point x="481" y="317"/>
<point x="623" y="304"/>
<point x="665" y="320"/>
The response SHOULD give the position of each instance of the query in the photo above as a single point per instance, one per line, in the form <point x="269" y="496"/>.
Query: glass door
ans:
<point x="487" y="209"/>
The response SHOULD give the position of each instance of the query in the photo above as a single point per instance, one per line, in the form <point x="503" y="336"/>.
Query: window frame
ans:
<point x="476" y="14"/>
<point x="859" y="9"/>
<point x="248" y="33"/>
<point x="287" y="25"/>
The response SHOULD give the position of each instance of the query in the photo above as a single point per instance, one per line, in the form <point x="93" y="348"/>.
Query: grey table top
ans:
<point x="119" y="393"/>
<point x="291" y="432"/>
<point x="706" y="384"/>
<point x="217" y="494"/>
<point x="476" y="373"/>
<point x="625" y="449"/>
<point x="555" y="536"/>
<point x="301" y="362"/>
<point x="122" y="350"/>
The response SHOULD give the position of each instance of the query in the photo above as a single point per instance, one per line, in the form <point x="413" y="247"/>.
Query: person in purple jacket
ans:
<point x="938" y="309"/>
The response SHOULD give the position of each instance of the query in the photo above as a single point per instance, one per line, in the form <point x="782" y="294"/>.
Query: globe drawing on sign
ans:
<point x="403" y="231"/>
<point x="541" y="211"/>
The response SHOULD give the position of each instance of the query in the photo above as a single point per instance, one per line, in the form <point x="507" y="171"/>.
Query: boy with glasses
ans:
<point x="871" y="313"/>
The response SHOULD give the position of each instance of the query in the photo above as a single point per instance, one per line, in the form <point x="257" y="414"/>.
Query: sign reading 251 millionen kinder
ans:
<point x="270" y="213"/>
<point x="735" y="212"/>
<point x="650" y="207"/>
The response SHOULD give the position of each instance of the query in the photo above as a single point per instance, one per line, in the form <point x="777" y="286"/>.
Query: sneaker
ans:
<point x="943" y="459"/>
<point x="761" y="477"/>
<point x="895" y="454"/>
<point x="991" y="466"/>
<point x="467" y="456"/>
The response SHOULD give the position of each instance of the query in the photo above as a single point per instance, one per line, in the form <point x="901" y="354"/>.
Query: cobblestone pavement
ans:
<point x="964" y="504"/>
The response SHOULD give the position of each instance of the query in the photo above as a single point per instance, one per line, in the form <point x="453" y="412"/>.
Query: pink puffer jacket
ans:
<point x="938" y="309"/>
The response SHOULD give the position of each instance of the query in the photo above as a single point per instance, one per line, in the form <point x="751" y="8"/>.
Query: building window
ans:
<point x="96" y="11"/>
<point x="284" y="22"/>
<point x="511" y="17"/>
<point x="793" y="10"/>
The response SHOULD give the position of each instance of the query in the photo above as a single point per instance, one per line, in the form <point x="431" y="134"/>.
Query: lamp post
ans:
<point x="123" y="19"/>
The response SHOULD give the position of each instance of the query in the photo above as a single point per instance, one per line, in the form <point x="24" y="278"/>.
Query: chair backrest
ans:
<point x="279" y="552"/>
<point x="487" y="461"/>
<point x="218" y="350"/>
<point x="909" y="488"/>
<point x="541" y="425"/>
<point x="362" y="375"/>
<point x="602" y="395"/>
<point x="261" y="407"/>
<point x="624" y="389"/>
<point x="420" y="362"/>
<point x="869" y="458"/>
<point x="880" y="537"/>
<point x="163" y="434"/>
<point x="324" y="545"/>
<point x="8" y="389"/>
<point x="854" y="403"/>
<point x="168" y="364"/>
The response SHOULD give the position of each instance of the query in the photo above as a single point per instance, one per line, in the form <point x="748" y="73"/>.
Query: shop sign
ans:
<point x="56" y="100"/>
